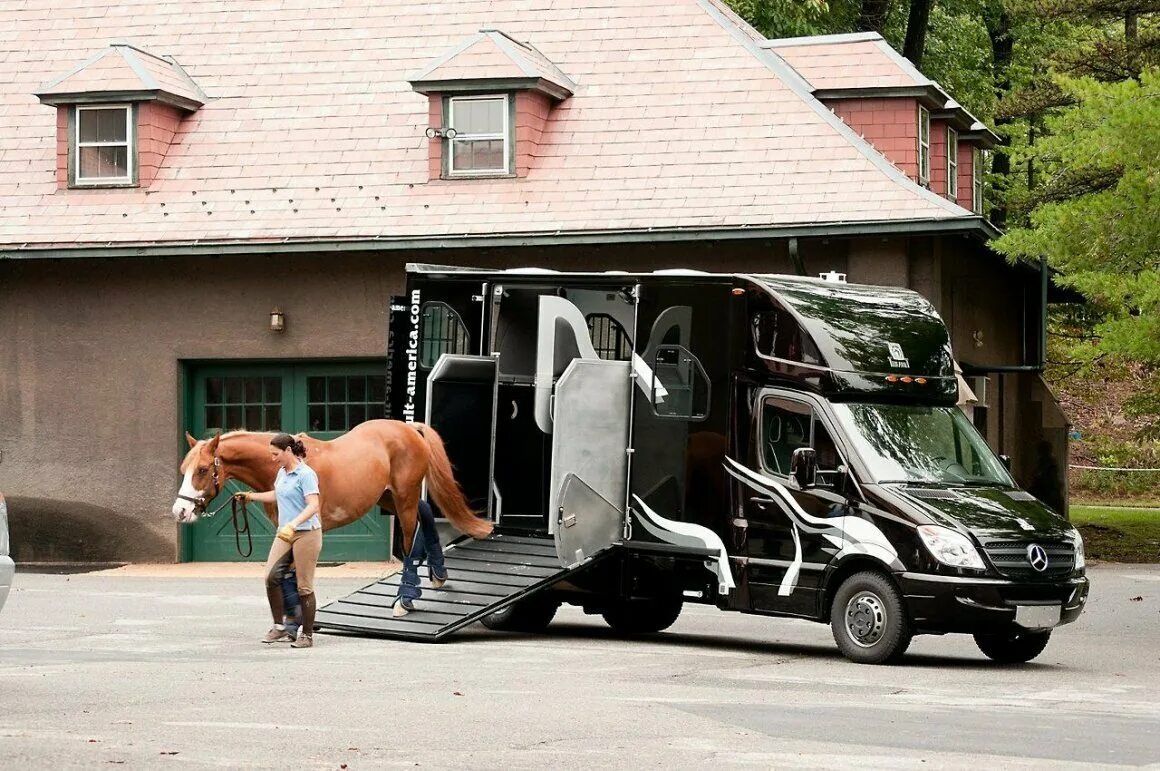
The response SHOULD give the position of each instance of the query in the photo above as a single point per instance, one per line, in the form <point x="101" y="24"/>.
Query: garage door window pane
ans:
<point x="336" y="417"/>
<point x="317" y="417"/>
<point x="316" y="389"/>
<point x="243" y="402"/>
<point x="273" y="418"/>
<point x="213" y="418"/>
<point x="377" y="385"/>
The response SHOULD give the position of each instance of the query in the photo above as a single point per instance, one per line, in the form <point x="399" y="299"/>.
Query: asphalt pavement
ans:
<point x="158" y="668"/>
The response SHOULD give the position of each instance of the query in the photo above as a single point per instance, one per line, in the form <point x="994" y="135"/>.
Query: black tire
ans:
<point x="868" y="619"/>
<point x="530" y="615"/>
<point x="644" y="616"/>
<point x="1015" y="647"/>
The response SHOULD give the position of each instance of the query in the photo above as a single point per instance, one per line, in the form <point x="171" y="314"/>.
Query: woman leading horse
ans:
<point x="380" y="462"/>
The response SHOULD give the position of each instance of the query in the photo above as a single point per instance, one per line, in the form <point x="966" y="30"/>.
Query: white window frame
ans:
<point x="978" y="165"/>
<point x="129" y="144"/>
<point x="952" y="164"/>
<point x="923" y="145"/>
<point x="505" y="135"/>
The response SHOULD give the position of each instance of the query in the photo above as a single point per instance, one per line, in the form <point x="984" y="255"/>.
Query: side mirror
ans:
<point x="803" y="466"/>
<point x="1006" y="461"/>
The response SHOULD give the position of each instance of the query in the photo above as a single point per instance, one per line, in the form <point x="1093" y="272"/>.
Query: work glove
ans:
<point x="286" y="533"/>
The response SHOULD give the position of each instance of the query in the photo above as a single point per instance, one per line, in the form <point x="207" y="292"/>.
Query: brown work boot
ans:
<point x="277" y="635"/>
<point x="304" y="641"/>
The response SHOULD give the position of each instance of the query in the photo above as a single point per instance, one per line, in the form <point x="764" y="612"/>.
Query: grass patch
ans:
<point x="1119" y="534"/>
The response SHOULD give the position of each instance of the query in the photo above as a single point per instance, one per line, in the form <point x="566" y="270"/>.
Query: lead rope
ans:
<point x="243" y="529"/>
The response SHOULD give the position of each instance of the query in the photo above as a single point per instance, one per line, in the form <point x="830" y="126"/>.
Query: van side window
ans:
<point x="787" y="425"/>
<point x="776" y="334"/>
<point x="441" y="331"/>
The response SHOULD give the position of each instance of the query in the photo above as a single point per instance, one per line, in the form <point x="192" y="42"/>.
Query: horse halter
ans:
<point x="199" y="504"/>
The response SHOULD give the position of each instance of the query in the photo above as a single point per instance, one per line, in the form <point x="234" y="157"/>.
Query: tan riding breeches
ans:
<point x="304" y="550"/>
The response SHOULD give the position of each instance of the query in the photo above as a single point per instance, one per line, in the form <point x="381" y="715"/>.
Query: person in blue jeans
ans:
<point x="426" y="544"/>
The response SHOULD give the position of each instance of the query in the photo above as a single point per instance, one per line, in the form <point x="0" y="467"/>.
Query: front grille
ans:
<point x="1010" y="559"/>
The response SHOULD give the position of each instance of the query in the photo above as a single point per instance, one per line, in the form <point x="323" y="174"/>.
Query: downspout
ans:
<point x="795" y="257"/>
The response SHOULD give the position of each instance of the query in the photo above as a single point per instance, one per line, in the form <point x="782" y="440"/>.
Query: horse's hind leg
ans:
<point x="406" y="509"/>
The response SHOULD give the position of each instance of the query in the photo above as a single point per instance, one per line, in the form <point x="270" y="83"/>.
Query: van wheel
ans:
<point x="530" y="615"/>
<point x="644" y="616"/>
<point x="1014" y="647"/>
<point x="868" y="619"/>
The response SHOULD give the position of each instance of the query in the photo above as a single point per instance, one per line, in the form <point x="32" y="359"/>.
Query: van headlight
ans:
<point x="1080" y="563"/>
<point x="950" y="547"/>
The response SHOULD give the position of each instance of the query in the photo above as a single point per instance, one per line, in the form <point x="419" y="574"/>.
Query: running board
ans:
<point x="483" y="577"/>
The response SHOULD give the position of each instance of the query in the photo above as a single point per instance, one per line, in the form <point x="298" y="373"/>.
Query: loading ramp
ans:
<point x="484" y="576"/>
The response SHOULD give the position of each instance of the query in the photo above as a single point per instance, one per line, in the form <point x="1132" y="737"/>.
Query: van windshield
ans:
<point x="931" y="445"/>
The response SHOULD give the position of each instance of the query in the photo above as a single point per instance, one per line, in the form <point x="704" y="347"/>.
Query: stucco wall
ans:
<point x="90" y="394"/>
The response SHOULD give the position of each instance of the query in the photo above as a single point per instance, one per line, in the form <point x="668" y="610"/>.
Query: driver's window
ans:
<point x="787" y="425"/>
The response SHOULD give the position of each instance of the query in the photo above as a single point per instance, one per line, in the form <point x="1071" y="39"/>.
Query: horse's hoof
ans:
<point x="400" y="610"/>
<point x="437" y="582"/>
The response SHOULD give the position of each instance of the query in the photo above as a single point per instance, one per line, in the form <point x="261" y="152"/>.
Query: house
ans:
<point x="207" y="207"/>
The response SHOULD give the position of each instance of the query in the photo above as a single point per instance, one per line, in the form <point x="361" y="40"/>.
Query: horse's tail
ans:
<point x="446" y="491"/>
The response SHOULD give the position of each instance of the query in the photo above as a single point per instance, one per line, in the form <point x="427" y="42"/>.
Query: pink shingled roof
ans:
<point x="311" y="130"/>
<point x="847" y="61"/>
<point x="124" y="68"/>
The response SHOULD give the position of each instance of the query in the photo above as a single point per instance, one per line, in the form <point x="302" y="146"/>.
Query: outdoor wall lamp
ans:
<point x="277" y="320"/>
<point x="448" y="133"/>
<point x="977" y="337"/>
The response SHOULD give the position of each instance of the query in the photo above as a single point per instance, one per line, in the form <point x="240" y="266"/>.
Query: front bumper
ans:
<point x="7" y="570"/>
<point x="939" y="604"/>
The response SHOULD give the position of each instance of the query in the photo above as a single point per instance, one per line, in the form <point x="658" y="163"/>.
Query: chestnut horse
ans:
<point x="379" y="461"/>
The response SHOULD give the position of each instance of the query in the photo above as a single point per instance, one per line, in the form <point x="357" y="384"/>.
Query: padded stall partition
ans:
<point x="461" y="400"/>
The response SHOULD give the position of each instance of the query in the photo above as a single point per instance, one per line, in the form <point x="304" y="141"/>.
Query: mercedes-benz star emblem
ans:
<point x="1037" y="557"/>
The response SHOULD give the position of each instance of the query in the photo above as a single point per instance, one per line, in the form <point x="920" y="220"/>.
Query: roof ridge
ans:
<point x="129" y="55"/>
<point x="798" y="85"/>
<point x="502" y="41"/>
<point x="906" y="65"/>
<point x="837" y="38"/>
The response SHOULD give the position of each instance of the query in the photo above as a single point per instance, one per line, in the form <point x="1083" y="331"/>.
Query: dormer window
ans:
<point x="489" y="101"/>
<point x="102" y="149"/>
<point x="952" y="163"/>
<point x="117" y="114"/>
<point x="482" y="142"/>
<point x="923" y="145"/>
<point x="979" y="162"/>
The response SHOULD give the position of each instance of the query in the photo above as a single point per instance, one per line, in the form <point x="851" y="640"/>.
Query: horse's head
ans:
<point x="202" y="479"/>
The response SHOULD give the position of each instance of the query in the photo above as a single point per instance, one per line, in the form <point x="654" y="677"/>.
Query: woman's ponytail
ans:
<point x="284" y="441"/>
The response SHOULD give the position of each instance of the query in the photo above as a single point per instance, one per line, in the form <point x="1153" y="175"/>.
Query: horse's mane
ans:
<point x="237" y="432"/>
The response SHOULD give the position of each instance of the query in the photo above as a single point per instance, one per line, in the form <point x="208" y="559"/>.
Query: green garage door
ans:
<point x="324" y="400"/>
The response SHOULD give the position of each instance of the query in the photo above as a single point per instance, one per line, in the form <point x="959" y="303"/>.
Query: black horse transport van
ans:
<point x="766" y="444"/>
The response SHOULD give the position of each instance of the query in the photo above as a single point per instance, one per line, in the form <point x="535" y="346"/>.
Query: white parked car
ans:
<point x="7" y="567"/>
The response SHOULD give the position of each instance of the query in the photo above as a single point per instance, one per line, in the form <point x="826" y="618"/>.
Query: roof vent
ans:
<point x="833" y="276"/>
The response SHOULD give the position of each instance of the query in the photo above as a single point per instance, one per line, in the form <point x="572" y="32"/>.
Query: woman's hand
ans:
<point x="286" y="533"/>
<point x="243" y="496"/>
